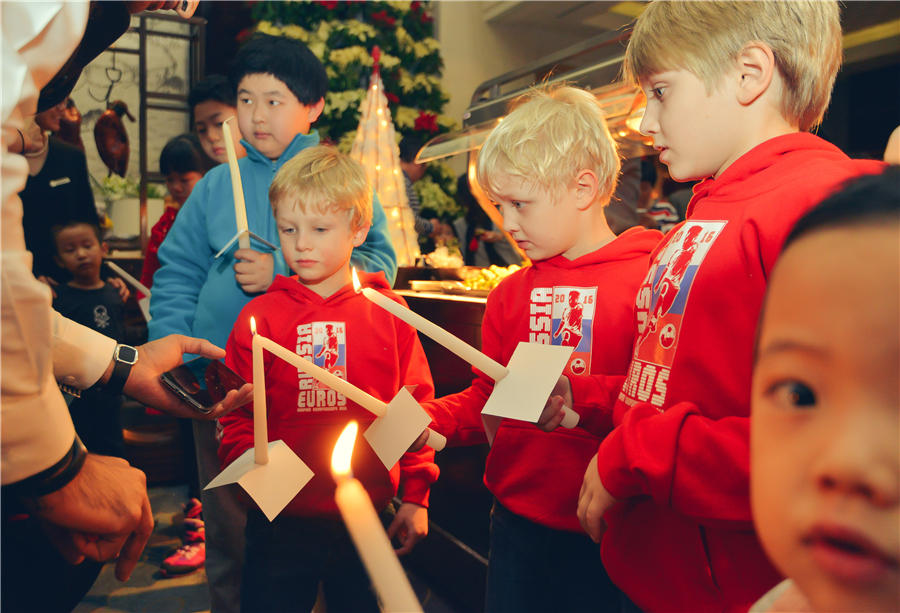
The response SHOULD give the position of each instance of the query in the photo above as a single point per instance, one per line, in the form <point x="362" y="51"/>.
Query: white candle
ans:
<point x="367" y="532"/>
<point x="237" y="188"/>
<point x="485" y="364"/>
<point x="260" y="425"/>
<point x="365" y="400"/>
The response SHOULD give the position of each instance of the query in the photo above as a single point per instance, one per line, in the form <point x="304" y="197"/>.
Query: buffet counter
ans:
<point x="453" y="559"/>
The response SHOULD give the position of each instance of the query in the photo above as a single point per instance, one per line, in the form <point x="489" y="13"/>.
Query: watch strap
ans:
<point x="122" y="365"/>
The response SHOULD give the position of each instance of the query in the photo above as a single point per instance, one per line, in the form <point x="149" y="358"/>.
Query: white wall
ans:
<point x="475" y="51"/>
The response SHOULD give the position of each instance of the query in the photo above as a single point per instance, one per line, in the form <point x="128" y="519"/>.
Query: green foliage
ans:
<point x="342" y="35"/>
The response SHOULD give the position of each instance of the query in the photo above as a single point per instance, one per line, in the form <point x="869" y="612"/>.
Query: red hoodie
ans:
<point x="307" y="416"/>
<point x="587" y="302"/>
<point x="684" y="541"/>
<point x="157" y="236"/>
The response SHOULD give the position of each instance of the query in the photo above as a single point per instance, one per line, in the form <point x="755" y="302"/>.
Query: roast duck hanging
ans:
<point x="112" y="139"/>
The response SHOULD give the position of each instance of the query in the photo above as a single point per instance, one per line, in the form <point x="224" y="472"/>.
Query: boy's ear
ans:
<point x="756" y="68"/>
<point x="315" y="110"/>
<point x="586" y="187"/>
<point x="104" y="248"/>
<point x="359" y="236"/>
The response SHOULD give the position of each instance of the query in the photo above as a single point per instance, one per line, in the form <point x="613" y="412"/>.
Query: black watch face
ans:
<point x="127" y="354"/>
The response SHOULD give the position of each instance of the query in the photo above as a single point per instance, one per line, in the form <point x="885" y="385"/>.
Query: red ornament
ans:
<point x="328" y="4"/>
<point x="426" y="122"/>
<point x="392" y="98"/>
<point x="383" y="17"/>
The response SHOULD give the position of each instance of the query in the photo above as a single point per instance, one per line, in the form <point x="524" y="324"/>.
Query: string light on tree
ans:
<point x="375" y="147"/>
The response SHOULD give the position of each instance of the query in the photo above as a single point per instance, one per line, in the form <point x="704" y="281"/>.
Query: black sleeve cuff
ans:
<point x="52" y="479"/>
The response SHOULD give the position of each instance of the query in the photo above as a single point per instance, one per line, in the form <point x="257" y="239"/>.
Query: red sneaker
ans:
<point x="186" y="559"/>
<point x="194" y="530"/>
<point x="193" y="508"/>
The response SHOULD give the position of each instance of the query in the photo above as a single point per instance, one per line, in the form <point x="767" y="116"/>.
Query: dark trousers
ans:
<point x="533" y="568"/>
<point x="35" y="577"/>
<point x="286" y="559"/>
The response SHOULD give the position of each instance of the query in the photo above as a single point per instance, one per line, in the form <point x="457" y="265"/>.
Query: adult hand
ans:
<point x="35" y="138"/>
<point x="254" y="270"/>
<point x="50" y="282"/>
<point x="593" y="501"/>
<point x="410" y="526"/>
<point x="119" y="284"/>
<point x="553" y="413"/>
<point x="102" y="513"/>
<point x="156" y="357"/>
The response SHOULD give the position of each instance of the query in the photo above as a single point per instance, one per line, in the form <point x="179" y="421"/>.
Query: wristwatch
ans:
<point x="124" y="357"/>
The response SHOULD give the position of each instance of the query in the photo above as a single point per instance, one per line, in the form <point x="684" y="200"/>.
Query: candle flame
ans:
<point x="357" y="286"/>
<point x="252" y="325"/>
<point x="343" y="450"/>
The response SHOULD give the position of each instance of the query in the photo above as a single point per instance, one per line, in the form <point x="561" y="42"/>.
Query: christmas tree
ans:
<point x="375" y="147"/>
<point x="342" y="35"/>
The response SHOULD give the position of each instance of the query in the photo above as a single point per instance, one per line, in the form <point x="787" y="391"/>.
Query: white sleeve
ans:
<point x="37" y="37"/>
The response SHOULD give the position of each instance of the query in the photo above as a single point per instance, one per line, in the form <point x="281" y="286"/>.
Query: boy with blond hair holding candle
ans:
<point x="551" y="167"/>
<point x="323" y="208"/>
<point x="280" y="86"/>
<point x="732" y="90"/>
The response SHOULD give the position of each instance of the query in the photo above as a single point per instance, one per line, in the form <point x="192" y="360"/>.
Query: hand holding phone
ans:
<point x="202" y="382"/>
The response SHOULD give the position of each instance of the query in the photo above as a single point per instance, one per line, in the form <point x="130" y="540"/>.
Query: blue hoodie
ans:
<point x="197" y="295"/>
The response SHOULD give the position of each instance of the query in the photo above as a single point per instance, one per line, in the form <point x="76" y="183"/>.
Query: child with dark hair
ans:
<point x="412" y="172"/>
<point x="93" y="302"/>
<point x="212" y="101"/>
<point x="280" y="88"/>
<point x="183" y="163"/>
<point x="824" y="459"/>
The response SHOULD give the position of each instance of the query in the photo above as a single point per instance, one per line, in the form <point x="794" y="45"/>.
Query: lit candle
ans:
<point x="260" y="428"/>
<point x="367" y="532"/>
<point x="485" y="364"/>
<point x="467" y="352"/>
<point x="237" y="188"/>
<point x="341" y="386"/>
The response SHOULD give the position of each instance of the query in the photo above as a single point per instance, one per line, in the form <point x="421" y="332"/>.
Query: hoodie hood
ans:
<point x="631" y="243"/>
<point x="760" y="169"/>
<point x="298" y="144"/>
<point x="292" y="287"/>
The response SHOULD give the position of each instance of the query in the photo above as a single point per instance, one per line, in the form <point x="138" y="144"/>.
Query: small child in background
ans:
<point x="323" y="209"/>
<point x="212" y="101"/>
<point x="183" y="164"/>
<point x="825" y="465"/>
<point x="97" y="304"/>
<point x="551" y="166"/>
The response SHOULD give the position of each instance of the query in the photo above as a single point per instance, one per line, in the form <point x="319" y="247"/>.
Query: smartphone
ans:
<point x="202" y="382"/>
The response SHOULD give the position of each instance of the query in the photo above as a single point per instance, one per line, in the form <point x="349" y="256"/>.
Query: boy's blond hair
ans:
<point x="705" y="39"/>
<point x="550" y="135"/>
<point x="324" y="179"/>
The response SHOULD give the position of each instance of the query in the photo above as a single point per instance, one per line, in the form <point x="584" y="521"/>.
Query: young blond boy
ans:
<point x="323" y="208"/>
<point x="551" y="167"/>
<point x="732" y="90"/>
<point x="280" y="87"/>
<point x="825" y="463"/>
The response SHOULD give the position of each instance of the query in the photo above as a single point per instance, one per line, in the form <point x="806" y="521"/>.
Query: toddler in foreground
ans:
<point x="825" y="464"/>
